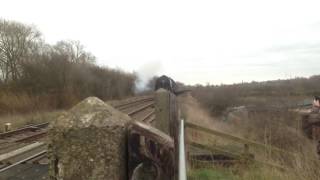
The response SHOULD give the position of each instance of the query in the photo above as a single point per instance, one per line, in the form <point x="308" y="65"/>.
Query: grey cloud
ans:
<point x="290" y="50"/>
<point x="300" y="47"/>
<point x="316" y="25"/>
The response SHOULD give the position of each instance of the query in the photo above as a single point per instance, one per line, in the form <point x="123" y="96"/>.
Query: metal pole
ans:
<point x="182" y="157"/>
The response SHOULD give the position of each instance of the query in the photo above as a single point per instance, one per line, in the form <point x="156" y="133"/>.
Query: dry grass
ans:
<point x="12" y="103"/>
<point x="193" y="112"/>
<point x="19" y="121"/>
<point x="277" y="129"/>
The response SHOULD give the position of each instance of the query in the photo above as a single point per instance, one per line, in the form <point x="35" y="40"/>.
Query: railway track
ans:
<point x="125" y="105"/>
<point x="28" y="128"/>
<point x="28" y="153"/>
<point x="140" y="109"/>
<point x="15" y="139"/>
<point x="21" y="150"/>
<point x="28" y="162"/>
<point x="136" y="109"/>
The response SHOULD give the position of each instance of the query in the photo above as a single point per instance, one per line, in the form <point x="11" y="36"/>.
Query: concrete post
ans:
<point x="89" y="143"/>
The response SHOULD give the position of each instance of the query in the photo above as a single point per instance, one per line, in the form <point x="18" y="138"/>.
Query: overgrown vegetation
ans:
<point x="276" y="128"/>
<point x="238" y="173"/>
<point x="216" y="98"/>
<point x="18" y="121"/>
<point x="209" y="174"/>
<point x="37" y="76"/>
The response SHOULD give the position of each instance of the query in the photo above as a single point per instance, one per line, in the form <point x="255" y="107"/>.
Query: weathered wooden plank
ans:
<point x="167" y="118"/>
<point x="162" y="107"/>
<point x="150" y="153"/>
<point x="237" y="139"/>
<point x="151" y="133"/>
<point x="216" y="149"/>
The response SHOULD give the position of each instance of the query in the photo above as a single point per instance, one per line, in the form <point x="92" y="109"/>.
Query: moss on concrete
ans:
<point x="89" y="143"/>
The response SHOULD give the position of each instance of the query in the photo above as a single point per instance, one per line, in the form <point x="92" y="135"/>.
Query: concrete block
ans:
<point x="89" y="143"/>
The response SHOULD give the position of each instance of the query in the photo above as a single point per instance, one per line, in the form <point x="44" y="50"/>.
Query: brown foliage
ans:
<point x="44" y="77"/>
<point x="273" y="93"/>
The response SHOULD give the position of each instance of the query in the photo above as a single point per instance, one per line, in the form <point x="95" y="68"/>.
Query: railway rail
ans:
<point x="22" y="155"/>
<point x="130" y="104"/>
<point x="34" y="159"/>
<point x="28" y="128"/>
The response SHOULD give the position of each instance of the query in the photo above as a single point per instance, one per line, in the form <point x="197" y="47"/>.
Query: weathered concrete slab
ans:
<point x="89" y="143"/>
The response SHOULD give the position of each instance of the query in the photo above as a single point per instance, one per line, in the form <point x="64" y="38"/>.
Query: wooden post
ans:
<point x="167" y="119"/>
<point x="162" y="107"/>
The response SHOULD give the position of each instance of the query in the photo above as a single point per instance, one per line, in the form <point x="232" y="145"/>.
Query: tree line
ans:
<point x="36" y="75"/>
<point x="217" y="98"/>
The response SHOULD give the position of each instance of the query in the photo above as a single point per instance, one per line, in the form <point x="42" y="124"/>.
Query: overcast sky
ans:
<point x="196" y="41"/>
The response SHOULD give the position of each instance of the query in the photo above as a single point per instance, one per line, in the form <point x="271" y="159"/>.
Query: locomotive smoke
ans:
<point x="145" y="73"/>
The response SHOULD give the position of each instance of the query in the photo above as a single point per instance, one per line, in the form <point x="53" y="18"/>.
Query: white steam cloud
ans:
<point x="145" y="73"/>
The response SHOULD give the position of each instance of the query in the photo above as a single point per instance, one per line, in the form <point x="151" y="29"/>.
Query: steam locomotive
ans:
<point x="169" y="84"/>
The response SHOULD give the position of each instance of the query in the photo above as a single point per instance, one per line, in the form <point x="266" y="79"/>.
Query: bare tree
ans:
<point x="60" y="75"/>
<point x="74" y="51"/>
<point x="17" y="41"/>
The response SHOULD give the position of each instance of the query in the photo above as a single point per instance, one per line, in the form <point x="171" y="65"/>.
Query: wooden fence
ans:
<point x="217" y="142"/>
